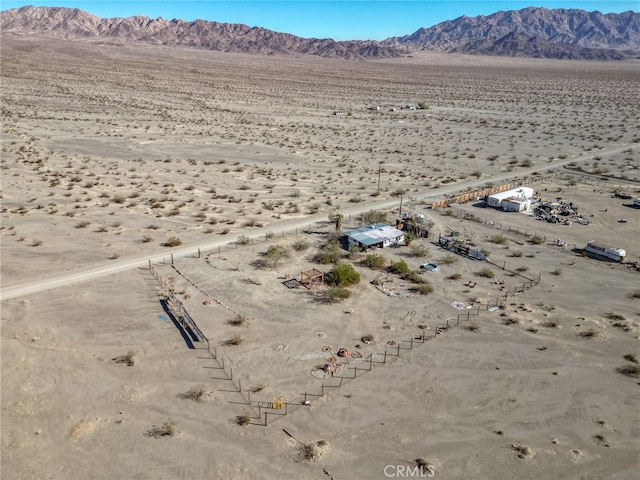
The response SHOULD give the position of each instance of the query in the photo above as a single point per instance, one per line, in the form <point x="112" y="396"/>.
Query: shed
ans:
<point x="378" y="235"/>
<point x="516" y="199"/>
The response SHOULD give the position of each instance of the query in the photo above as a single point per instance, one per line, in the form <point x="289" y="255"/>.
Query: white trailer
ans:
<point x="602" y="252"/>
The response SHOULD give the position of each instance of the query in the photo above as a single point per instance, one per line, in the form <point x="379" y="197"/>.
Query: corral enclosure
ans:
<point x="111" y="152"/>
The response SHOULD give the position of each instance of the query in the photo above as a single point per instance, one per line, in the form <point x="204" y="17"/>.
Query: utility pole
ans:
<point x="379" y="172"/>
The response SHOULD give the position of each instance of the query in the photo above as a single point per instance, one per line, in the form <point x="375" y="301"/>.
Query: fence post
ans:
<point x="172" y="259"/>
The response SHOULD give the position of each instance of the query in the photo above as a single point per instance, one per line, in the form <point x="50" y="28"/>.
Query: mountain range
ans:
<point x="530" y="32"/>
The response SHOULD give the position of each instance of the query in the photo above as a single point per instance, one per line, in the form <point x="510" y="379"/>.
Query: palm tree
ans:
<point x="337" y="217"/>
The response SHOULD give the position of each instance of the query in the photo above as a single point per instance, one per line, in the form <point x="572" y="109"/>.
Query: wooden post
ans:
<point x="411" y="344"/>
<point x="150" y="267"/>
<point x="172" y="259"/>
<point x="355" y="372"/>
<point x="384" y="360"/>
<point x="240" y="385"/>
<point x="398" y="354"/>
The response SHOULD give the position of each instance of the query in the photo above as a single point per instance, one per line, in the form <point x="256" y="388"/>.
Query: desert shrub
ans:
<point x="342" y="275"/>
<point x="300" y="244"/>
<point x="536" y="240"/>
<point x="274" y="254"/>
<point x="172" y="242"/>
<point x="234" y="341"/>
<point x="631" y="357"/>
<point x="455" y="276"/>
<point x="422" y="289"/>
<point x="486" y="273"/>
<point x="630" y="370"/>
<point x="238" y="320"/>
<point x="557" y="272"/>
<point x="334" y="294"/>
<point x="118" y="198"/>
<point x="449" y="259"/>
<point x="499" y="239"/>
<point x="590" y="333"/>
<point x="146" y="239"/>
<point x="510" y="321"/>
<point x="36" y="243"/>
<point x="83" y="224"/>
<point x="374" y="261"/>
<point x="418" y="249"/>
<point x="243" y="240"/>
<point x="399" y="267"/>
<point x="331" y="252"/>
<point x="613" y="316"/>
<point x="197" y="394"/>
<point x="311" y="452"/>
<point x="374" y="216"/>
<point x="522" y="269"/>
<point x="129" y="358"/>
<point x="553" y="323"/>
<point x="473" y="327"/>
<point x="516" y="253"/>
<point x="242" y="420"/>
<point x="414" y="277"/>
<point x="165" y="430"/>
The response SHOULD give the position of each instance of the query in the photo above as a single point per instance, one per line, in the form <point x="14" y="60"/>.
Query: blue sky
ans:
<point x="337" y="19"/>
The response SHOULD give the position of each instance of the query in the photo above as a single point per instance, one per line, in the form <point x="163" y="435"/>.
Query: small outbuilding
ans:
<point x="514" y="200"/>
<point x="378" y="235"/>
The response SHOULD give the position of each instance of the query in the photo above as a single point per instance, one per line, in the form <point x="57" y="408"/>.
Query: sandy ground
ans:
<point x="110" y="151"/>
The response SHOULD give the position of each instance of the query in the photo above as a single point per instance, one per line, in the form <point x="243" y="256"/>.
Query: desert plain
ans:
<point x="133" y="175"/>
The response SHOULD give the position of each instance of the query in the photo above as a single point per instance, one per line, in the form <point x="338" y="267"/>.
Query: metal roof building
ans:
<point x="377" y="235"/>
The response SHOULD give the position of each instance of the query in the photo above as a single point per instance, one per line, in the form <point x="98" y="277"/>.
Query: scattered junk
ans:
<point x="636" y="202"/>
<point x="622" y="195"/>
<point x="460" y="248"/>
<point x="515" y="200"/>
<point x="602" y="252"/>
<point x="378" y="235"/>
<point x="374" y="108"/>
<point x="339" y="112"/>
<point x="560" y="212"/>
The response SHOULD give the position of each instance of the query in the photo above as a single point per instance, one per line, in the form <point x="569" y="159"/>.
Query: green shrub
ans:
<point x="173" y="242"/>
<point x="243" y="240"/>
<point x="374" y="216"/>
<point x="499" y="239"/>
<point x="536" y="240"/>
<point x="300" y="244"/>
<point x="334" y="294"/>
<point x="399" y="267"/>
<point x="419" y="249"/>
<point x="374" y="261"/>
<point x="422" y="289"/>
<point x="342" y="275"/>
<point x="449" y="259"/>
<point x="486" y="273"/>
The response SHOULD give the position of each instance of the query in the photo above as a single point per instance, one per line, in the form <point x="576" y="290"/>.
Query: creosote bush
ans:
<point x="486" y="273"/>
<point x="128" y="358"/>
<point x="234" y="341"/>
<point x="165" y="430"/>
<point x="172" y="242"/>
<point x="342" y="275"/>
<point x="374" y="261"/>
